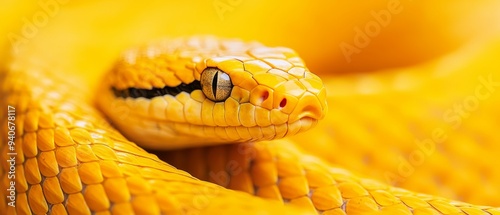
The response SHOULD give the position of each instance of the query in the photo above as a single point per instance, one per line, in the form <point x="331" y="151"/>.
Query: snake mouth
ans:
<point x="303" y="118"/>
<point x="157" y="134"/>
<point x="307" y="118"/>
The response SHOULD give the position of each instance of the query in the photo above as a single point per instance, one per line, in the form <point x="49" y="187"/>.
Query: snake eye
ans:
<point x="215" y="84"/>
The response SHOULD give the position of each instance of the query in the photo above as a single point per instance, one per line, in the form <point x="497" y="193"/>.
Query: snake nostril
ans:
<point x="265" y="95"/>
<point x="283" y="103"/>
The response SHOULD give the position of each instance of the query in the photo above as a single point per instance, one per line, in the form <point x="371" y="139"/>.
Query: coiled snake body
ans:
<point x="175" y="94"/>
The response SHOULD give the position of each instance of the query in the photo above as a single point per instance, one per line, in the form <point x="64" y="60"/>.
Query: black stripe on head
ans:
<point x="154" y="92"/>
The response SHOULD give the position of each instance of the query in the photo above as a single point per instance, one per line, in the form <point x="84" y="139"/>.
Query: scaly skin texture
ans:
<point x="70" y="160"/>
<point x="278" y="170"/>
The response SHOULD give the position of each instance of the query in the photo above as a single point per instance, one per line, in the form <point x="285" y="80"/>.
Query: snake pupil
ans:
<point x="214" y="85"/>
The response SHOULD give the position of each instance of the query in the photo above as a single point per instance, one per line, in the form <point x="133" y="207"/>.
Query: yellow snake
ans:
<point x="69" y="160"/>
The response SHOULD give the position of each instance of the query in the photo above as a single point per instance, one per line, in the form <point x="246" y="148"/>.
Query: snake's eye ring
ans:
<point x="215" y="84"/>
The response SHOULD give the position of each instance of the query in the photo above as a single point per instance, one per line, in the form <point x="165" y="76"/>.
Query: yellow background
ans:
<point x="84" y="37"/>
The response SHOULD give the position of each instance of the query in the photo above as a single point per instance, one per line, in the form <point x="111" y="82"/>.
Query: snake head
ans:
<point x="204" y="90"/>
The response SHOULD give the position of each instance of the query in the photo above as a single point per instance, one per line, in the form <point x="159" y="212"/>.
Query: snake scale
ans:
<point x="71" y="160"/>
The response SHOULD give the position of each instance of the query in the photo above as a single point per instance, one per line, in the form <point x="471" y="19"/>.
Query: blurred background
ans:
<point x="394" y="71"/>
<point x="421" y="30"/>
